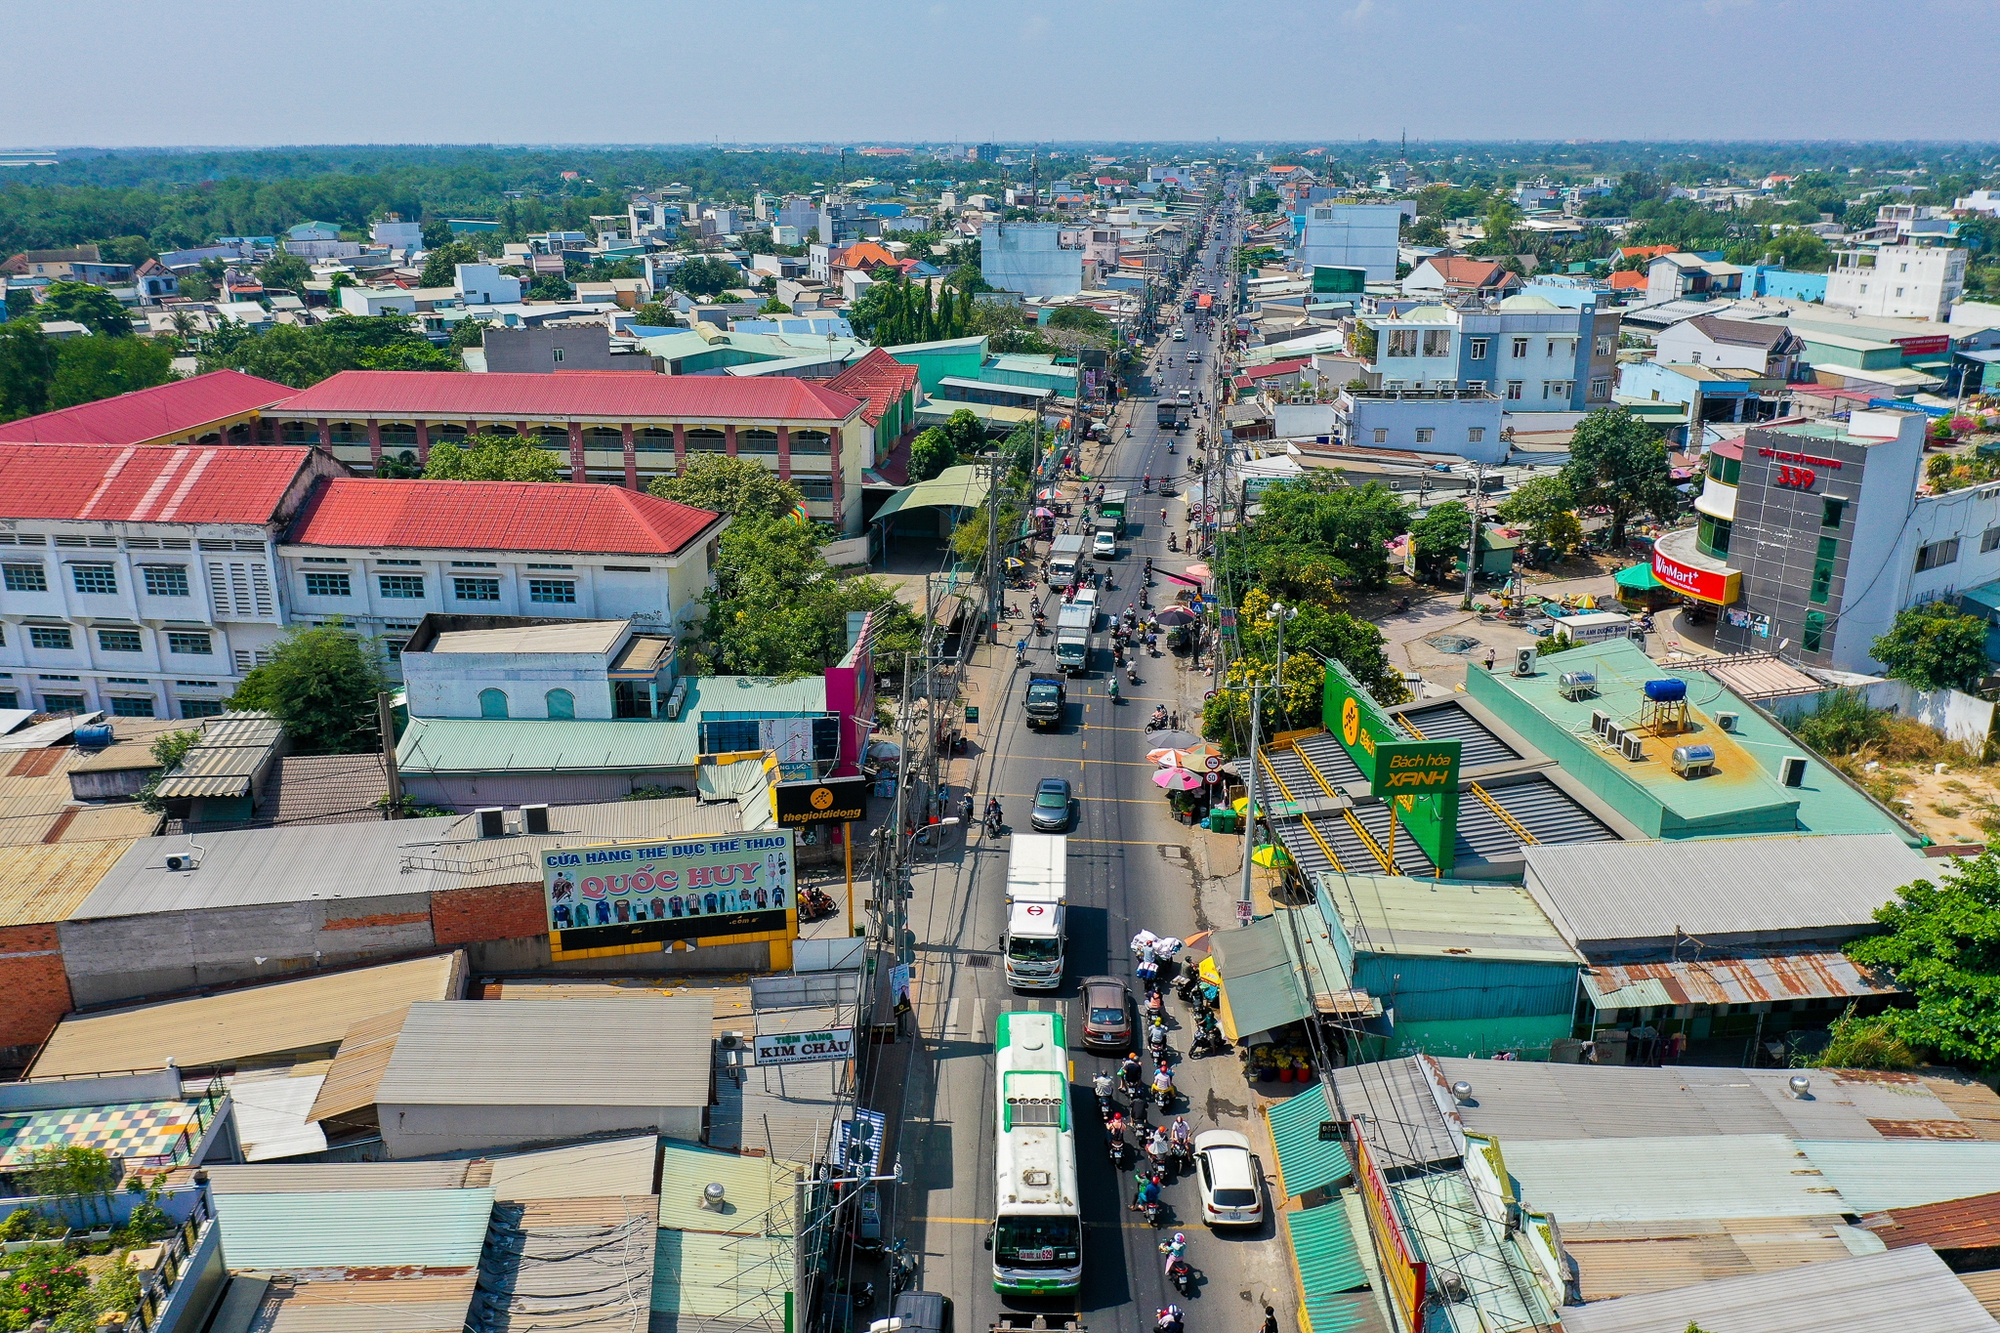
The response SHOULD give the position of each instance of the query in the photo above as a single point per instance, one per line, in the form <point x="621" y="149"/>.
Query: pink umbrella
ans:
<point x="1202" y="572"/>
<point x="1177" y="779"/>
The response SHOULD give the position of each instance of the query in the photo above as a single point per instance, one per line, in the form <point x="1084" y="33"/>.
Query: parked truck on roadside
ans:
<point x="1037" y="919"/>
<point x="1045" y="701"/>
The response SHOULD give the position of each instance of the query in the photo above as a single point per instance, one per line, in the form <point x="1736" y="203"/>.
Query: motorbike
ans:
<point x="816" y="904"/>
<point x="1114" y="688"/>
<point x="1117" y="1149"/>
<point x="1132" y="672"/>
<point x="1020" y="652"/>
<point x="1172" y="447"/>
<point x="1184" y="985"/>
<point x="1183" y="1275"/>
<point x="1128" y="1084"/>
<point x="993" y="824"/>
<point x="1209" y="1041"/>
<point x="1157" y="722"/>
<point x="1163" y="1097"/>
<point x="1172" y="544"/>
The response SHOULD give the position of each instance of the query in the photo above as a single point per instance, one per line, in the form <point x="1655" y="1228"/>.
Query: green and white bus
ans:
<point x="1038" y="1225"/>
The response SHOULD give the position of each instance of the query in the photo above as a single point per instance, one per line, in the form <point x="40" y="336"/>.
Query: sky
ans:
<point x="228" y="72"/>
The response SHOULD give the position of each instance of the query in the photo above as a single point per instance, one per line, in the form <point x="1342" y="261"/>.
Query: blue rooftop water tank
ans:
<point x="95" y="737"/>
<point x="1666" y="691"/>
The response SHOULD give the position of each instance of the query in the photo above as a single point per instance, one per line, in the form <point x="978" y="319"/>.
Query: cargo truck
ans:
<point x="1065" y="557"/>
<point x="1113" y="506"/>
<point x="1075" y="624"/>
<point x="1167" y="414"/>
<point x="1036" y="912"/>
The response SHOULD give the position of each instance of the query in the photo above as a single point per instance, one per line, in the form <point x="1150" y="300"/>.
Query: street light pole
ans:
<point x="1250" y="813"/>
<point x="1472" y="544"/>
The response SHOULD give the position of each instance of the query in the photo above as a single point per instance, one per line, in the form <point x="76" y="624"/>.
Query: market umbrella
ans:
<point x="1202" y="572"/>
<point x="1177" y="779"/>
<point x="1173" y="616"/>
<point x="1171" y="744"/>
<point x="1271" y="855"/>
<point x="1043" y="511"/>
<point x="1198" y="755"/>
<point x="1016" y="564"/>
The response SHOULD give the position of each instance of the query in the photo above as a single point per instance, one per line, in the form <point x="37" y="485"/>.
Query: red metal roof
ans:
<point x="1275" y="368"/>
<point x="497" y="516"/>
<point x="1959" y="1224"/>
<point x="179" y="408"/>
<point x="127" y="483"/>
<point x="1628" y="280"/>
<point x="876" y="379"/>
<point x="596" y="396"/>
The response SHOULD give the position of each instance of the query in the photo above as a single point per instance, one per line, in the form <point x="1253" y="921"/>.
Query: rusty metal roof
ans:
<point x="1958" y="1224"/>
<point x="1737" y="978"/>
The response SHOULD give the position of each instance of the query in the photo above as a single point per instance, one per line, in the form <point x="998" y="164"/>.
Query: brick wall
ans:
<point x="501" y="912"/>
<point x="34" y="992"/>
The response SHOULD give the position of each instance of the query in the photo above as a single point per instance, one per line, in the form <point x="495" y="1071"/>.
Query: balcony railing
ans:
<point x="158" y="1285"/>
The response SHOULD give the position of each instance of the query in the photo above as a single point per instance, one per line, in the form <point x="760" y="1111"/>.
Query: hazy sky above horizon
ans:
<point x="230" y="72"/>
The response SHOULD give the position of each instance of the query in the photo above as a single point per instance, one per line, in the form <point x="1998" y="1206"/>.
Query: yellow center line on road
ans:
<point x="987" y="1222"/>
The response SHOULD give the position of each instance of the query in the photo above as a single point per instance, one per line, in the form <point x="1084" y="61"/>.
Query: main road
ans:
<point x="1130" y="866"/>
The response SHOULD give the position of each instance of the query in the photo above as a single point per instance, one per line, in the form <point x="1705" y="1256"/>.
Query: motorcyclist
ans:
<point x="1163" y="1079"/>
<point x="1148" y="1196"/>
<point x="1163" y="516"/>
<point x="1114" y="689"/>
<point x="992" y="811"/>
<point x="1159" y="1144"/>
<point x="1168" y="1320"/>
<point x="1130" y="1071"/>
<point x="1174" y="1244"/>
<point x="1102" y="1084"/>
<point x="1181" y="1136"/>
<point x="1159" y="716"/>
<point x="1146" y="482"/>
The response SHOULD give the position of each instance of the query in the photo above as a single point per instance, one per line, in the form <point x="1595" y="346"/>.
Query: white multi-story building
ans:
<point x="1351" y="236"/>
<point x="146" y="582"/>
<point x="1898" y="281"/>
<point x="142" y="582"/>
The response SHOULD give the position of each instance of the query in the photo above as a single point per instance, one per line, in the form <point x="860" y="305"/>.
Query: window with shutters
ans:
<point x="241" y="590"/>
<point x="246" y="659"/>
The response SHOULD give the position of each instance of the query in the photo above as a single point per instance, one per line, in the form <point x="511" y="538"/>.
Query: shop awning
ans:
<point x="1305" y="1161"/>
<point x="1332" y="1279"/>
<point x="1259" y="988"/>
<point x="962" y="487"/>
<point x="1637" y="578"/>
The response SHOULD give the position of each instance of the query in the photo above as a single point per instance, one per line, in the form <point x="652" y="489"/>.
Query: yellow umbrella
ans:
<point x="1242" y="804"/>
<point x="1209" y="972"/>
<point x="1272" y="855"/>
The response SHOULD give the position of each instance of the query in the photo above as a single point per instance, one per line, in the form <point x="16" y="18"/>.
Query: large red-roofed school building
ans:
<point x="617" y="428"/>
<point x="146" y="581"/>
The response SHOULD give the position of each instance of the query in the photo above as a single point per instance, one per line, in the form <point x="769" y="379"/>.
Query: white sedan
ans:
<point x="1231" y="1190"/>
<point x="1104" y="546"/>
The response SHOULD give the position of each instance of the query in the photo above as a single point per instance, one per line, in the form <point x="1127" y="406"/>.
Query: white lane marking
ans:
<point x="951" y="1017"/>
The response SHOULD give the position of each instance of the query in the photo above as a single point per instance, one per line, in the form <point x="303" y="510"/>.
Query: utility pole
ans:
<point x="995" y="584"/>
<point x="385" y="717"/>
<point x="1250" y="812"/>
<point x="1472" y="545"/>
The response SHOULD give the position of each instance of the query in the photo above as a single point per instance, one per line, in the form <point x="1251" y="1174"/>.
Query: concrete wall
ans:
<point x="449" y="684"/>
<point x="465" y="792"/>
<point x="1025" y="257"/>
<point x="126" y="958"/>
<point x="418" y="1131"/>
<point x="534" y="350"/>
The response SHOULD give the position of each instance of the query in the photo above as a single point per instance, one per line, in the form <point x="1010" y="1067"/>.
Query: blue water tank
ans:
<point x="95" y="737"/>
<point x="1666" y="691"/>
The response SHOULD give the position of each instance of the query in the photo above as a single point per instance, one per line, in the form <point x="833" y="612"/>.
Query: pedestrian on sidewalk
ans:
<point x="1490" y="655"/>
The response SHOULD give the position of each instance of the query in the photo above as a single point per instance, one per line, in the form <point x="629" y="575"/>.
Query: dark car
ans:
<point x="1107" y="1015"/>
<point x="920" y="1312"/>
<point x="1051" y="805"/>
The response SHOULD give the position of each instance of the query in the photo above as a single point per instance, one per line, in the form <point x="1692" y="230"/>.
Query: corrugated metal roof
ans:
<point x="1877" y="1293"/>
<point x="367" y="1303"/>
<point x="572" y="636"/>
<point x="569" y="1266"/>
<point x="1648" y="894"/>
<point x="1551" y="815"/>
<point x="1741" y="978"/>
<point x="326" y="1177"/>
<point x="784" y="1111"/>
<point x="1395" y="914"/>
<point x="1904" y="1173"/>
<point x="1324" y="1248"/>
<point x="122" y="824"/>
<point x="271" y="1117"/>
<point x="1258" y="982"/>
<point x="1450" y="721"/>
<point x="110" y="483"/>
<point x="1684" y="1176"/>
<point x="174" y="408"/>
<point x="712" y="1284"/>
<point x="469" y="1053"/>
<point x="615" y="397"/>
<point x="1985" y="1288"/>
<point x="279" y="1233"/>
<point x="604" y="1169"/>
<point x="460" y="745"/>
<point x="1624" y="1259"/>
<point x="757" y="1191"/>
<point x="309" y="1013"/>
<point x="358" y="1064"/>
<point x="1400" y="1113"/>
<point x="1452" y="1234"/>
<point x="1304" y="1161"/>
<point x="40" y="884"/>
<point x="1546" y="1101"/>
<point x="1956" y="1224"/>
<point x="230" y="730"/>
<point x="365" y="513"/>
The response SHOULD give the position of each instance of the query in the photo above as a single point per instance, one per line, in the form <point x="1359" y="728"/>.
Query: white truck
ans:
<point x="1037" y="918"/>
<point x="1076" y="623"/>
<point x="1065" y="558"/>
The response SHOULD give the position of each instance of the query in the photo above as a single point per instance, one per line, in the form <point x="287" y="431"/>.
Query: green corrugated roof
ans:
<point x="1329" y="1263"/>
<point x="544" y="745"/>
<point x="1260" y="989"/>
<point x="1305" y="1163"/>
<point x="705" y="1278"/>
<point x="337" y="1229"/>
<point x="1347" y="1312"/>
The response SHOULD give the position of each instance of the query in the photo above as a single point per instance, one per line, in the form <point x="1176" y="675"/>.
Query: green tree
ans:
<point x="1316" y="540"/>
<point x="705" y="277"/>
<point x="1439" y="538"/>
<point x="739" y="487"/>
<point x="774" y="307"/>
<point x="321" y="682"/>
<point x="441" y="264"/>
<point x="27" y="364"/>
<point x="89" y="305"/>
<point x="1934" y="646"/>
<point x="79" y="1178"/>
<point x="1545" y="507"/>
<point x="1617" y="462"/>
<point x="931" y="453"/>
<point x="550" y="287"/>
<point x="88" y="369"/>
<point x="303" y="357"/>
<point x="486" y="457"/>
<point x="1941" y="944"/>
<point x="968" y="279"/>
<point x="656" y="315"/>
<point x="1225" y="717"/>
<point x="287" y="272"/>
<point x="778" y="609"/>
<point x="966" y="432"/>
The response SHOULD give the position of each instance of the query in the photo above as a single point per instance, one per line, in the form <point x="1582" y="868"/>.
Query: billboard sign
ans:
<point x="1720" y="588"/>
<point x="804" y="1048"/>
<point x="1407" y="1276"/>
<point x="834" y="801"/>
<point x="1417" y="778"/>
<point x="689" y="889"/>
